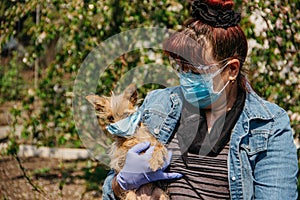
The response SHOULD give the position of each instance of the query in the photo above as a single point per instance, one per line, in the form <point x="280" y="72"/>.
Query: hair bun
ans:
<point x="216" y="13"/>
<point x="219" y="4"/>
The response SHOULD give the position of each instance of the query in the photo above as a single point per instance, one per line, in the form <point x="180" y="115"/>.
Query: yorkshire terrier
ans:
<point x="114" y="108"/>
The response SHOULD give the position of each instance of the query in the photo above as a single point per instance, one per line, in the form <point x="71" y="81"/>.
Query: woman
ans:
<point x="227" y="142"/>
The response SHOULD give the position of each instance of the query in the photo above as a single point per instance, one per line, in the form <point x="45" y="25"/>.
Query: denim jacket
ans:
<point x="262" y="159"/>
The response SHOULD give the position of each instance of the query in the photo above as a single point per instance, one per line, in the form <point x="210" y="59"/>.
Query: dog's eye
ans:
<point x="110" y="118"/>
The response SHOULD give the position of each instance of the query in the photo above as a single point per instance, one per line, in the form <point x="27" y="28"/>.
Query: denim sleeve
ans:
<point x="161" y="111"/>
<point x="107" y="191"/>
<point x="275" y="172"/>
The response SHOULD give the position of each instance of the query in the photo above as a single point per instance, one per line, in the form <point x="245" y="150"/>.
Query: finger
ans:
<point x="140" y="147"/>
<point x="173" y="175"/>
<point x="149" y="151"/>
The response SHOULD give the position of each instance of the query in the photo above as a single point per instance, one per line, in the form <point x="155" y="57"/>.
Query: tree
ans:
<point x="58" y="35"/>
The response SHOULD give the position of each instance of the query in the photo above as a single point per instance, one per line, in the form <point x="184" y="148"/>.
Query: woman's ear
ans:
<point x="233" y="69"/>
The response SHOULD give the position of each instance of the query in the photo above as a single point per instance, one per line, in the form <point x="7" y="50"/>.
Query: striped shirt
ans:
<point x="201" y="156"/>
<point x="205" y="177"/>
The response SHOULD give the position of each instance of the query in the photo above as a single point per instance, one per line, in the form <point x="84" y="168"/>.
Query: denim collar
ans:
<point x="255" y="108"/>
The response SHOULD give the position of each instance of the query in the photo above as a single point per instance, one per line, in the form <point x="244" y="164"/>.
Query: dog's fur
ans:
<point x="117" y="107"/>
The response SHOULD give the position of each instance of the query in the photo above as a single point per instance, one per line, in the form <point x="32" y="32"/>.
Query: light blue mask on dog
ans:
<point x="198" y="88"/>
<point x="125" y="127"/>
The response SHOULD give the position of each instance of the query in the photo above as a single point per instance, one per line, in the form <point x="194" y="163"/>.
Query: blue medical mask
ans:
<point x="198" y="88"/>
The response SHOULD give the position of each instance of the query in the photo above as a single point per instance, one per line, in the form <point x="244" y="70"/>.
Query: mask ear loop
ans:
<point x="223" y="88"/>
<point x="219" y="72"/>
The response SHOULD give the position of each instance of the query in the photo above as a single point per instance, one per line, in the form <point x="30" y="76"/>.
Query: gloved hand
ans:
<point x="137" y="172"/>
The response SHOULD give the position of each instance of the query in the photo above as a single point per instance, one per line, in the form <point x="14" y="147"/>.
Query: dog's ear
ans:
<point x="98" y="102"/>
<point x="131" y="93"/>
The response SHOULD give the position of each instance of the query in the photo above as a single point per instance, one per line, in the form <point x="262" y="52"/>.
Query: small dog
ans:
<point x="117" y="107"/>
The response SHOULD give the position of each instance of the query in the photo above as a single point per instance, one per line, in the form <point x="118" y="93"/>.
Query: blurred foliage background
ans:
<point x="44" y="42"/>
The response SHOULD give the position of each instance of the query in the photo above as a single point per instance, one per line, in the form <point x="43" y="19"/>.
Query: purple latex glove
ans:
<point x="137" y="172"/>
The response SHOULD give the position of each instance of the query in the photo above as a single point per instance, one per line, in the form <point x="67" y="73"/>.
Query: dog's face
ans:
<point x="116" y="107"/>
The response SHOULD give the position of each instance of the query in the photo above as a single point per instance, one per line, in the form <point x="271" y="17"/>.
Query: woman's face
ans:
<point x="222" y="75"/>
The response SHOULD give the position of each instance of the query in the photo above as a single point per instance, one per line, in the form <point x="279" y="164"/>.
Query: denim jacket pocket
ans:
<point x="153" y="119"/>
<point x="256" y="141"/>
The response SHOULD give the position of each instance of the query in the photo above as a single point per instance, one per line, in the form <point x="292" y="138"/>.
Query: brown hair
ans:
<point x="202" y="43"/>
